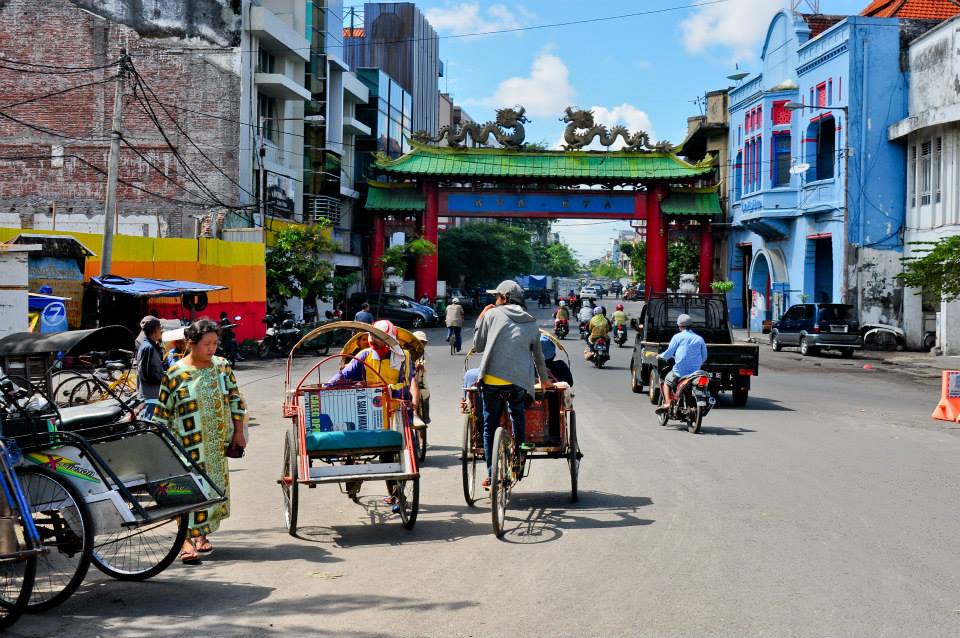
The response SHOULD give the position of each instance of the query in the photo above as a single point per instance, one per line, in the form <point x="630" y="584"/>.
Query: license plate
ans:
<point x="839" y="328"/>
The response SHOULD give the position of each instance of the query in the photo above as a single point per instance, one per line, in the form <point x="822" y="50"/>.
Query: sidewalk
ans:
<point x="916" y="363"/>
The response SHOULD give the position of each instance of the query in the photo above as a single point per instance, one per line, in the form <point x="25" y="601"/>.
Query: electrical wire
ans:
<point x="60" y="92"/>
<point x="51" y="69"/>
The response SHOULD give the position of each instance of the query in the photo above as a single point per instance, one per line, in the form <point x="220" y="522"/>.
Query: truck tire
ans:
<point x="740" y="396"/>
<point x="775" y="342"/>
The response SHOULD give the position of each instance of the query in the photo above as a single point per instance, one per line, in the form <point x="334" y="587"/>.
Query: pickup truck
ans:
<point x="730" y="364"/>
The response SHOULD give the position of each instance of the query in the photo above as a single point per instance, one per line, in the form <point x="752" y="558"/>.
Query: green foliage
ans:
<point x="484" y="253"/>
<point x="397" y="257"/>
<point x="556" y="260"/>
<point x="936" y="273"/>
<point x="637" y="252"/>
<point x="609" y="271"/>
<point x="722" y="286"/>
<point x="298" y="264"/>
<point x="683" y="256"/>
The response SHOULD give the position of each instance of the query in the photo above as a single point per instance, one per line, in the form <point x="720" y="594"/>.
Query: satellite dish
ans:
<point x="798" y="169"/>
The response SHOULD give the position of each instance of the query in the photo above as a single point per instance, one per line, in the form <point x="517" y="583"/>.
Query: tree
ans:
<point x="556" y="260"/>
<point x="484" y="253"/>
<point x="683" y="256"/>
<point x="299" y="264"/>
<point x="397" y="257"/>
<point x="609" y="271"/>
<point x="937" y="272"/>
<point x="637" y="252"/>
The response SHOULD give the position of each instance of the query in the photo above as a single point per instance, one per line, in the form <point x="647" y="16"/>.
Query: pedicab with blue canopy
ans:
<point x="349" y="432"/>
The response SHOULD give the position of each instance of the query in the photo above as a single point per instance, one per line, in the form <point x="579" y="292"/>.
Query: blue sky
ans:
<point x="645" y="72"/>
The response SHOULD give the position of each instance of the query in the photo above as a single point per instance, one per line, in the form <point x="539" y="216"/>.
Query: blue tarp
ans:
<point x="142" y="287"/>
<point x="532" y="282"/>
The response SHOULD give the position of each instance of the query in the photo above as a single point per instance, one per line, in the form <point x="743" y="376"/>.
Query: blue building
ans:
<point x="816" y="189"/>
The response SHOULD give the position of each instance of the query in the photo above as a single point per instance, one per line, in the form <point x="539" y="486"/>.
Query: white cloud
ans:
<point x="467" y="17"/>
<point x="736" y="24"/>
<point x="545" y="92"/>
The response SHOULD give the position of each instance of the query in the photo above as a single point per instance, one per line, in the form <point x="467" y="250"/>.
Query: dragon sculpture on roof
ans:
<point x="506" y="118"/>
<point x="582" y="130"/>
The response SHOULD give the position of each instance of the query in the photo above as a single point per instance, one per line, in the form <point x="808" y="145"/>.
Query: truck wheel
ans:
<point x="775" y="342"/>
<point x="636" y="386"/>
<point x="740" y="396"/>
<point x="806" y="349"/>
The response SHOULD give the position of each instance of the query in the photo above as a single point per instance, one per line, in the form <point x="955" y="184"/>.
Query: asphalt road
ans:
<point x="826" y="507"/>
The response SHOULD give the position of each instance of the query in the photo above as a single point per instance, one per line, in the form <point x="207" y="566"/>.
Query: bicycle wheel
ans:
<point x="84" y="392"/>
<point x="16" y="574"/>
<point x="139" y="553"/>
<point x="66" y="531"/>
<point x="63" y="383"/>
<point x="468" y="463"/>
<point x="501" y="479"/>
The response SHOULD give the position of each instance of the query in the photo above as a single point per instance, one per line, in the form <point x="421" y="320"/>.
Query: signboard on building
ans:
<point x="281" y="194"/>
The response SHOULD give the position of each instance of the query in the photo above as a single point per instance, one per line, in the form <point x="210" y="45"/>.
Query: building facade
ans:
<point x="815" y="192"/>
<point x="930" y="137"/>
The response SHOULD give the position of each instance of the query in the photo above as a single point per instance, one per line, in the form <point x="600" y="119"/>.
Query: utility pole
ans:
<point x="113" y="170"/>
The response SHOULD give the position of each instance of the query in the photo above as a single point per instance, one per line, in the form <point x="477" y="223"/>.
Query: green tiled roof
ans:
<point x="393" y="198"/>
<point x="554" y="165"/>
<point x="692" y="202"/>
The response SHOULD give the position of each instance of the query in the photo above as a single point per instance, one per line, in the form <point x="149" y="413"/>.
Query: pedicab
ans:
<point x="551" y="427"/>
<point x="348" y="433"/>
<point x="103" y="486"/>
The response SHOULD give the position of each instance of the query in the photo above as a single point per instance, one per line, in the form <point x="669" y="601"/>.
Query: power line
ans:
<point x="60" y="92"/>
<point x="51" y="69"/>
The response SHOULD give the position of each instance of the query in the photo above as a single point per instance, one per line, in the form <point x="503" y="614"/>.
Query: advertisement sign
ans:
<point x="281" y="193"/>
<point x="53" y="318"/>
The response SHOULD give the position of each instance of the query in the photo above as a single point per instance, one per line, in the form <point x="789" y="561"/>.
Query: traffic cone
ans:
<point x="949" y="407"/>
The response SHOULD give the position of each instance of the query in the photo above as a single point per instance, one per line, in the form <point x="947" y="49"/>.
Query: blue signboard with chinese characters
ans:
<point x="598" y="204"/>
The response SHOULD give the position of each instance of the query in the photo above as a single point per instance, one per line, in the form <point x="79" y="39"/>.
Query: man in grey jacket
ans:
<point x="507" y="336"/>
<point x="149" y="365"/>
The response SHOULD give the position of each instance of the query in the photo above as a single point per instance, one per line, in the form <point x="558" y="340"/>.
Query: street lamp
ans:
<point x="799" y="106"/>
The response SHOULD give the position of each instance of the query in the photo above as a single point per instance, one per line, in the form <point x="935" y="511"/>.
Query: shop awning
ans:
<point x="692" y="202"/>
<point x="143" y="287"/>
<point x="392" y="198"/>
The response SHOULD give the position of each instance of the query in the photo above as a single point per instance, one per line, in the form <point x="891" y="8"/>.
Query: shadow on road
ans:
<point x="545" y="521"/>
<point x="759" y="404"/>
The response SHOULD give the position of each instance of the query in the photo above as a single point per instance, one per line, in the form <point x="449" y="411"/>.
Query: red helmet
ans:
<point x="619" y="306"/>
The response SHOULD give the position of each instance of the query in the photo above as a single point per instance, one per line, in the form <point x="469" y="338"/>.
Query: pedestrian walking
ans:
<point x="364" y="315"/>
<point x="454" y="321"/>
<point x="149" y="365"/>
<point x="201" y="403"/>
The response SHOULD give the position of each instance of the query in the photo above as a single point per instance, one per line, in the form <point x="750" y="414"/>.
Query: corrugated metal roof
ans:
<point x="556" y="165"/>
<point x="399" y="199"/>
<point x="912" y="9"/>
<point x="692" y="202"/>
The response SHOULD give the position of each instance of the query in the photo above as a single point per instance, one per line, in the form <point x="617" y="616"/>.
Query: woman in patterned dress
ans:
<point x="200" y="402"/>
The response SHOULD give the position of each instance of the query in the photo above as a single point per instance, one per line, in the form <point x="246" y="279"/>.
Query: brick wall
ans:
<point x="199" y="74"/>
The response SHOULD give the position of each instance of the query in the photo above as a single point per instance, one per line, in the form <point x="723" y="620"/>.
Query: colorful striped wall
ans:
<point x="237" y="265"/>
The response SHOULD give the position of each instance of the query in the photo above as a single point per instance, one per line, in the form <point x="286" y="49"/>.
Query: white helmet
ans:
<point x="563" y="303"/>
<point x="598" y="310"/>
<point x="455" y="300"/>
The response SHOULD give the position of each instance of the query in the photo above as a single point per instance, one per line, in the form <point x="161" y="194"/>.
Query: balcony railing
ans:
<point x="323" y="207"/>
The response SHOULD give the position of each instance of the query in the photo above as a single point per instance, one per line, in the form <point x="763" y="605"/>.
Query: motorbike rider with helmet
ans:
<point x="561" y="314"/>
<point x="689" y="351"/>
<point x="599" y="326"/>
<point x="620" y="318"/>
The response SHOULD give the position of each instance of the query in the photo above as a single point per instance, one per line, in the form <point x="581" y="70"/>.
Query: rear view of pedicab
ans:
<point x="551" y="428"/>
<point x="349" y="432"/>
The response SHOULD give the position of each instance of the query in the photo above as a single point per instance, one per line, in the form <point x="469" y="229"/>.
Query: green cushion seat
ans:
<point x="358" y="440"/>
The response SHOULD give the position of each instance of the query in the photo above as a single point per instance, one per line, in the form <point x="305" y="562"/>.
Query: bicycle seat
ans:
<point x="115" y="365"/>
<point x="82" y="417"/>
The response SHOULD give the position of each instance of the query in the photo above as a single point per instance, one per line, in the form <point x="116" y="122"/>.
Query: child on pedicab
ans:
<point x="393" y="366"/>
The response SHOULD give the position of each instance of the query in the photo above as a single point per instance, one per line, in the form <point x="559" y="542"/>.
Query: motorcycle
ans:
<point x="561" y="327"/>
<point x="620" y="334"/>
<point x="881" y="336"/>
<point x="601" y="352"/>
<point x="281" y="336"/>
<point x="692" y="400"/>
<point x="543" y="301"/>
<point x="228" y="348"/>
<point x="584" y="330"/>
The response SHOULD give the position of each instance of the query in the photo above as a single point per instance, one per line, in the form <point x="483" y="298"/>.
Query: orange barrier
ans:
<point x="949" y="407"/>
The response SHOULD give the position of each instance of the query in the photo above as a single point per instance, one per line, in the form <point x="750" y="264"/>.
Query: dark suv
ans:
<point x="399" y="309"/>
<point x="813" y="327"/>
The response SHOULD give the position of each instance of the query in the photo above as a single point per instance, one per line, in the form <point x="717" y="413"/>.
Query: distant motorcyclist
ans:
<point x="561" y="313"/>
<point x="599" y="326"/>
<point x="620" y="318"/>
<point x="586" y="312"/>
<point x="689" y="351"/>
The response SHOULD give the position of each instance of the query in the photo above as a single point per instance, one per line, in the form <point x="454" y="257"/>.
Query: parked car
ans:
<point x="814" y="327"/>
<point x="589" y="292"/>
<point x="399" y="309"/>
<point x="465" y="300"/>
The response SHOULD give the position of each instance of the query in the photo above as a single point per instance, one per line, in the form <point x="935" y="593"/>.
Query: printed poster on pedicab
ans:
<point x="353" y="410"/>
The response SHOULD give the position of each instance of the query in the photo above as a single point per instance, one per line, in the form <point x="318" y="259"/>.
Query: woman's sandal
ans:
<point x="190" y="556"/>
<point x="204" y="546"/>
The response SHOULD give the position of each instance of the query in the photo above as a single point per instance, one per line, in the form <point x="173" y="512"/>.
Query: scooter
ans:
<point x="228" y="348"/>
<point x="561" y="327"/>
<point x="620" y="334"/>
<point x="692" y="400"/>
<point x="584" y="330"/>
<point x="601" y="352"/>
<point x="280" y="338"/>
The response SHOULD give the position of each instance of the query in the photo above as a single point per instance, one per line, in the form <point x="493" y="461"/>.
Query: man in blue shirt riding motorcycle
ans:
<point x="689" y="351"/>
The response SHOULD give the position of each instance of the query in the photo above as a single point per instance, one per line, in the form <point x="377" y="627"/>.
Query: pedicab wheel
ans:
<point x="16" y="579"/>
<point x="573" y="455"/>
<point x="66" y="530"/>
<point x="408" y="498"/>
<point x="139" y="553"/>
<point x="468" y="463"/>
<point x="289" y="483"/>
<point x="694" y="422"/>
<point x="500" y="480"/>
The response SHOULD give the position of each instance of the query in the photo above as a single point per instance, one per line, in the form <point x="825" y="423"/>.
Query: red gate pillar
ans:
<point x="656" y="275"/>
<point x="426" y="279"/>
<point x="376" y="252"/>
<point x="706" y="256"/>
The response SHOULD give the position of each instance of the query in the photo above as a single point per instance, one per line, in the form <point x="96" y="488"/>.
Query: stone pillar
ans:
<point x="706" y="256"/>
<point x="656" y="276"/>
<point x="426" y="278"/>
<point x="376" y="252"/>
